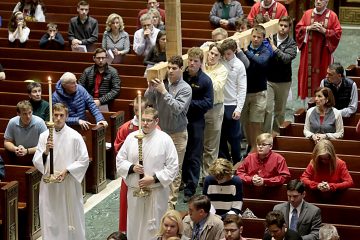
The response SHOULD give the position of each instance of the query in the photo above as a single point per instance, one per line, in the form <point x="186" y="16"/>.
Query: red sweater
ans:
<point x="340" y="179"/>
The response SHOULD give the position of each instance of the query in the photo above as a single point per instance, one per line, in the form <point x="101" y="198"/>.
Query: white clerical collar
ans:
<point x="135" y="121"/>
<point x="319" y="13"/>
<point x="263" y="5"/>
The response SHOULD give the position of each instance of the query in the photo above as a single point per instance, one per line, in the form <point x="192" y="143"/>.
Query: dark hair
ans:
<point x="99" y="50"/>
<point x="296" y="185"/>
<point x="258" y="19"/>
<point x="328" y="94"/>
<point x="117" y="236"/>
<point x="233" y="218"/>
<point x="32" y="85"/>
<point x="82" y="3"/>
<point x="242" y="21"/>
<point x="157" y="50"/>
<point x="177" y="60"/>
<point x="201" y="202"/>
<point x="275" y="218"/>
<point x="23" y="105"/>
<point x="216" y="45"/>
<point x="12" y="22"/>
<point x="259" y="29"/>
<point x="228" y="44"/>
<point x="287" y="19"/>
<point x="339" y="69"/>
<point x="32" y="7"/>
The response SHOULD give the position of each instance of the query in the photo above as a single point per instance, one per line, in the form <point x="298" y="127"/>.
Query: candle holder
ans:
<point x="52" y="178"/>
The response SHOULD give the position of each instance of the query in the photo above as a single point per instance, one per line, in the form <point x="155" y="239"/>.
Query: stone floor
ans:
<point x="102" y="219"/>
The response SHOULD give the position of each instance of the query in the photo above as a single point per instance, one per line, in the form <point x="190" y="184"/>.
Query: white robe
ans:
<point x="160" y="158"/>
<point x="61" y="204"/>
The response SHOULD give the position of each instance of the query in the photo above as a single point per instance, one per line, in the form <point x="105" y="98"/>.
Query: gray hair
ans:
<point x="145" y="17"/>
<point x="67" y="77"/>
<point x="328" y="232"/>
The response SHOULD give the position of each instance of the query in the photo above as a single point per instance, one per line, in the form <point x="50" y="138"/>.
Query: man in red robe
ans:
<point x="270" y="9"/>
<point x="317" y="35"/>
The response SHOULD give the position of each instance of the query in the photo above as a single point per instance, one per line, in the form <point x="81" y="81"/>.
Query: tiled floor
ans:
<point x="102" y="219"/>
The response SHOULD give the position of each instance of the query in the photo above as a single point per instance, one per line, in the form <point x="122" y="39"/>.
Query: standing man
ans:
<point x="83" y="29"/>
<point x="101" y="80"/>
<point x="145" y="37"/>
<point x="61" y="204"/>
<point x="40" y="106"/>
<point x="200" y="224"/>
<point x="300" y="216"/>
<point x="277" y="228"/>
<point x="172" y="98"/>
<point x="344" y="90"/>
<point x="202" y="101"/>
<point x="159" y="169"/>
<point x="269" y="9"/>
<point x="150" y="4"/>
<point x="317" y="35"/>
<point x="23" y="131"/>
<point x="279" y="75"/>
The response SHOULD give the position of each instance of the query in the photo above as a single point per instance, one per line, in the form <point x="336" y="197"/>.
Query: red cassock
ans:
<point x="316" y="52"/>
<point x="276" y="11"/>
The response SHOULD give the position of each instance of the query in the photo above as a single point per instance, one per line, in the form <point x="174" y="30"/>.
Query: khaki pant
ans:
<point x="180" y="141"/>
<point x="277" y="94"/>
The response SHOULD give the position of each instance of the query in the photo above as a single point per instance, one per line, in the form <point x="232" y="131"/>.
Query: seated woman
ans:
<point x="223" y="188"/>
<point x="33" y="10"/>
<point x="225" y="12"/>
<point x="115" y="38"/>
<point x="156" y="19"/>
<point x="158" y="52"/>
<point x="18" y="29"/>
<point x="171" y="226"/>
<point x="325" y="171"/>
<point x="323" y="121"/>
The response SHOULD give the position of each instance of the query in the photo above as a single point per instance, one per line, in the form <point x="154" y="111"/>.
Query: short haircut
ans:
<point x="156" y="12"/>
<point x="196" y="52"/>
<point x="99" y="50"/>
<point x="176" y="60"/>
<point x="228" y="44"/>
<point x="275" y="218"/>
<point x="144" y="100"/>
<point x="233" y="218"/>
<point x="151" y="111"/>
<point x="219" y="31"/>
<point x="339" y="69"/>
<point x="67" y="77"/>
<point x="295" y="185"/>
<point x="82" y="3"/>
<point x="174" y="216"/>
<point x="217" y="46"/>
<point x="111" y="18"/>
<point x="259" y="29"/>
<point x="23" y="105"/>
<point x="201" y="202"/>
<point x="242" y="21"/>
<point x="145" y="17"/>
<point x="117" y="236"/>
<point x="287" y="19"/>
<point x="328" y="94"/>
<point x="259" y="19"/>
<point x="264" y="137"/>
<point x="220" y="168"/>
<point x="60" y="107"/>
<point x="324" y="147"/>
<point x="32" y="85"/>
<point x="51" y="25"/>
<point x="328" y="232"/>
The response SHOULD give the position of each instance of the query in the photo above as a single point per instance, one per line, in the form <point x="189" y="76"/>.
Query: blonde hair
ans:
<point x="324" y="147"/>
<point x="154" y="11"/>
<point x="264" y="137"/>
<point x="196" y="52"/>
<point x="175" y="216"/>
<point x="328" y="232"/>
<point x="111" y="18"/>
<point x="219" y="31"/>
<point x="220" y="168"/>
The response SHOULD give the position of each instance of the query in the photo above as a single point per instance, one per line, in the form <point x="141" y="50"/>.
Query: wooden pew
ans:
<point x="296" y="130"/>
<point x="302" y="144"/>
<point x="300" y="114"/>
<point x="8" y="210"/>
<point x="347" y="197"/>
<point x="353" y="70"/>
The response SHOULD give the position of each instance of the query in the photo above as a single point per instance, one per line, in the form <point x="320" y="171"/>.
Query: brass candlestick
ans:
<point x="141" y="192"/>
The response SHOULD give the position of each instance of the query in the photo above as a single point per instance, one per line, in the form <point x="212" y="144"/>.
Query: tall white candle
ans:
<point x="50" y="100"/>
<point x="139" y="110"/>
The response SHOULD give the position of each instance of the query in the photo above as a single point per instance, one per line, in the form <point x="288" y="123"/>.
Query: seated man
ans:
<point x="2" y="73"/>
<point x="276" y="228"/>
<point x="83" y="29"/>
<point x="40" y="106"/>
<point x="223" y="188"/>
<point x="101" y="80"/>
<point x="264" y="167"/>
<point x="269" y="9"/>
<point x="200" y="224"/>
<point x="145" y="38"/>
<point x="300" y="216"/>
<point x="343" y="88"/>
<point x="77" y="99"/>
<point x="52" y="39"/>
<point x="233" y="227"/>
<point x="150" y="4"/>
<point x="23" y="131"/>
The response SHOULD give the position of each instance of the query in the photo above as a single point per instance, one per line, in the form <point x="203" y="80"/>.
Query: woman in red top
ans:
<point x="325" y="171"/>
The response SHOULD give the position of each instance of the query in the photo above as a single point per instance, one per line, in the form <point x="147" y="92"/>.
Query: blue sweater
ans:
<point x="77" y="104"/>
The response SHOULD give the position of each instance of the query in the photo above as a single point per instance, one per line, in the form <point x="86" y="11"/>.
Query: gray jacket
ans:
<point x="235" y="12"/>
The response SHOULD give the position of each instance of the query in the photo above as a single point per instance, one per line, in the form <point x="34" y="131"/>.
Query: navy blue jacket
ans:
<point x="2" y="169"/>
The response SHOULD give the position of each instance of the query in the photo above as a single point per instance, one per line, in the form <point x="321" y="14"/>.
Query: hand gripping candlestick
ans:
<point x="141" y="192"/>
<point x="51" y="178"/>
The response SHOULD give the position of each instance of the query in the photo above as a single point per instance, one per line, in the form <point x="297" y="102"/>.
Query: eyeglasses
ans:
<point x="145" y="120"/>
<point x="263" y="144"/>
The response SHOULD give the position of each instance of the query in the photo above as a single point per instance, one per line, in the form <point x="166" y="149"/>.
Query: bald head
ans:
<point x="68" y="82"/>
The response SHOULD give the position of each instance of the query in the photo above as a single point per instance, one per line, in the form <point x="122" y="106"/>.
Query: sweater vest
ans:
<point x="343" y="94"/>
